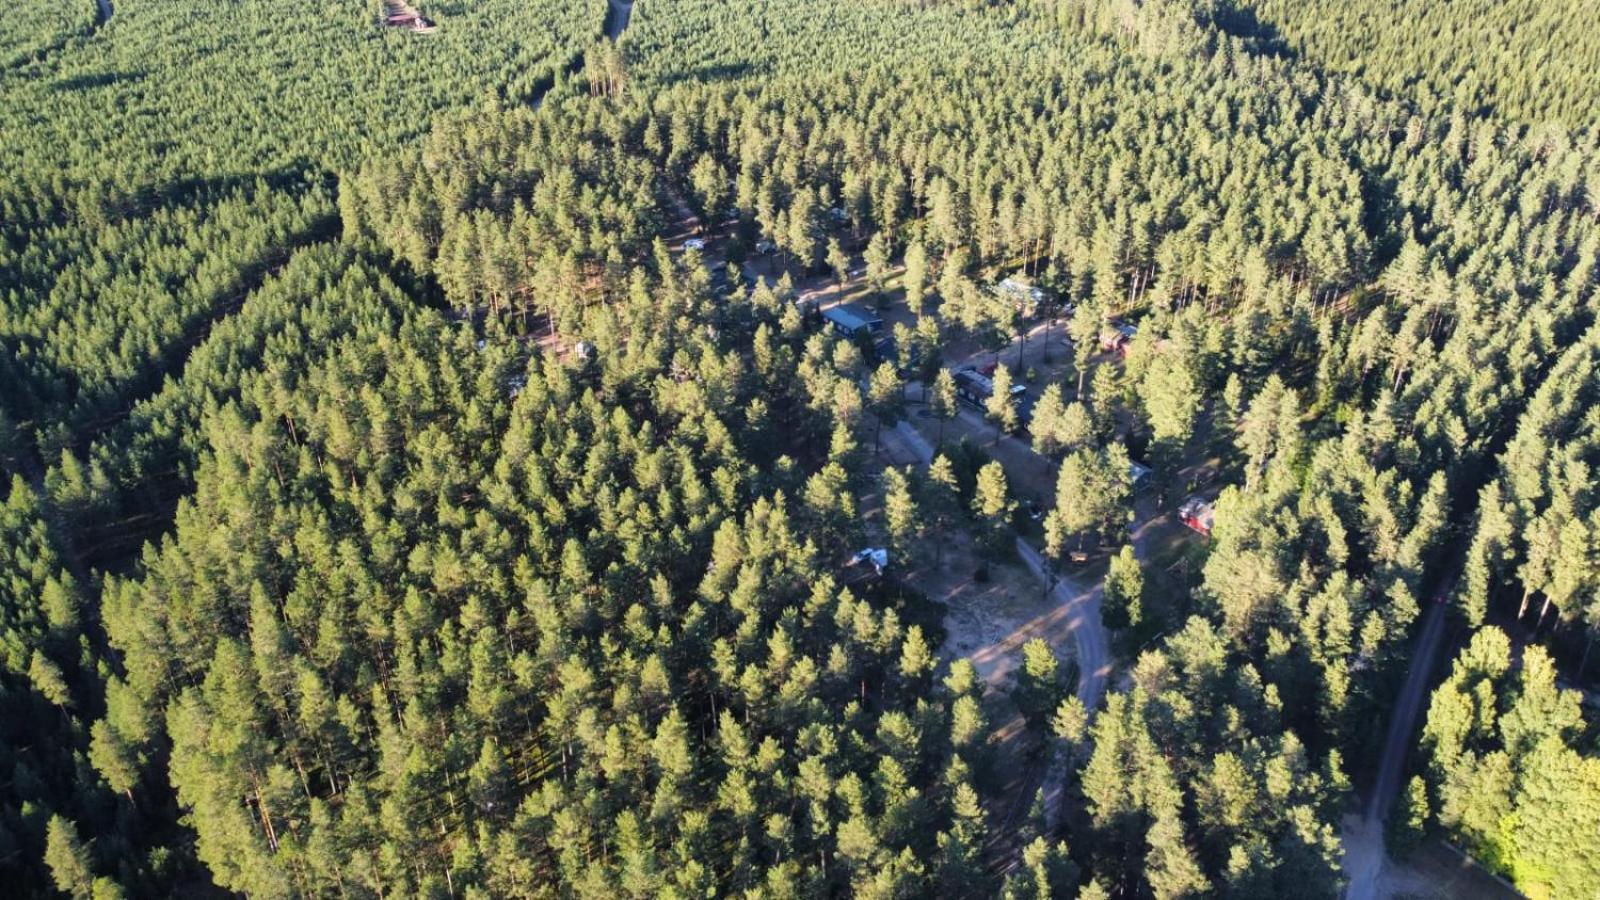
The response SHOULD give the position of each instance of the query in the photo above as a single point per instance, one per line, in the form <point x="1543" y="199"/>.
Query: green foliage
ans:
<point x="68" y="860"/>
<point x="901" y="515"/>
<point x="33" y="30"/>
<point x="1508" y="771"/>
<point x="1001" y="407"/>
<point x="993" y="506"/>
<point x="1253" y="783"/>
<point x="1123" y="603"/>
<point x="491" y="596"/>
<point x="1538" y="525"/>
<point x="1522" y="58"/>
<point x="253" y="87"/>
<point x="543" y="595"/>
<point x="1041" y="685"/>
<point x="1093" y="494"/>
<point x="1408" y="823"/>
<point x="164" y="163"/>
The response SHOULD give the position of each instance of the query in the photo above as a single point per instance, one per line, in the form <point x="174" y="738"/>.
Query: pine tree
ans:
<point x="1171" y="397"/>
<point x="1071" y="721"/>
<point x="1104" y="396"/>
<point x="993" y="506"/>
<point x="1084" y="329"/>
<point x="1170" y="866"/>
<point x="48" y="680"/>
<point x="1046" y="425"/>
<point x="1122" y="605"/>
<point x="941" y="500"/>
<point x="877" y="261"/>
<point x="942" y="400"/>
<point x="902" y="519"/>
<point x="1093" y="491"/>
<point x="961" y="870"/>
<point x="1040" y="687"/>
<point x="68" y="859"/>
<point x="1409" y="822"/>
<point x="916" y="658"/>
<point x="916" y="278"/>
<point x="640" y="875"/>
<point x="113" y="759"/>
<point x="1075" y="429"/>
<point x="710" y="183"/>
<point x="886" y="396"/>
<point x="1000" y="406"/>
<point x="839" y="262"/>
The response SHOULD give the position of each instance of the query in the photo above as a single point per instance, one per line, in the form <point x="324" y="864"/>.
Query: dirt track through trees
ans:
<point x="1082" y="602"/>
<point x="1364" y="853"/>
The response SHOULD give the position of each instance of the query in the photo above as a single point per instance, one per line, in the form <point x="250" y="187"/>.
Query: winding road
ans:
<point x="1083" y="601"/>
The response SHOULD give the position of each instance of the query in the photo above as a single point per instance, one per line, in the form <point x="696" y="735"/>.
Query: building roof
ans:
<point x="851" y="317"/>
<point x="974" y="381"/>
<point x="1020" y="291"/>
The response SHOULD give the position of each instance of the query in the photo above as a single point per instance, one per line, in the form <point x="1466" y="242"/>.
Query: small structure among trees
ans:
<point x="1025" y="298"/>
<point x="1117" y="338"/>
<point x="403" y="15"/>
<point x="976" y="388"/>
<point x="850" y="320"/>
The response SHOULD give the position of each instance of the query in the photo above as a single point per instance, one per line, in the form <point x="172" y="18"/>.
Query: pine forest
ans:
<point x="1029" y="449"/>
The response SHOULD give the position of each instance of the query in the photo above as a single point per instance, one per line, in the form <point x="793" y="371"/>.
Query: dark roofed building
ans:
<point x="973" y="387"/>
<point x="850" y="320"/>
<point x="976" y="388"/>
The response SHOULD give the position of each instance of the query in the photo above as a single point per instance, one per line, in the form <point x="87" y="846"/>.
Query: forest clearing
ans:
<point x="1033" y="449"/>
<point x="399" y="14"/>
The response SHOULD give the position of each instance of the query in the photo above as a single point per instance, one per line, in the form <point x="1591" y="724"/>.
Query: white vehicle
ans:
<point x="694" y="244"/>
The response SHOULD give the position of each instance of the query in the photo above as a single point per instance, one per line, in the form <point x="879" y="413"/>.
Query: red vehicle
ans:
<point x="1197" y="515"/>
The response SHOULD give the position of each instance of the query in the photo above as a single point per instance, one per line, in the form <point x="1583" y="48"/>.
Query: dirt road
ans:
<point x="1082" y="601"/>
<point x="1364" y="853"/>
<point x="1088" y="634"/>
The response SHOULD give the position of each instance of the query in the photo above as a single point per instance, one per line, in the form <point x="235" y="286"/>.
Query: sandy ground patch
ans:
<point x="1434" y="871"/>
<point x="988" y="621"/>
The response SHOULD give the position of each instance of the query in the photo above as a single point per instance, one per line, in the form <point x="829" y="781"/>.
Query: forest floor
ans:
<point x="1434" y="871"/>
<point x="392" y="8"/>
<point x="987" y="620"/>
